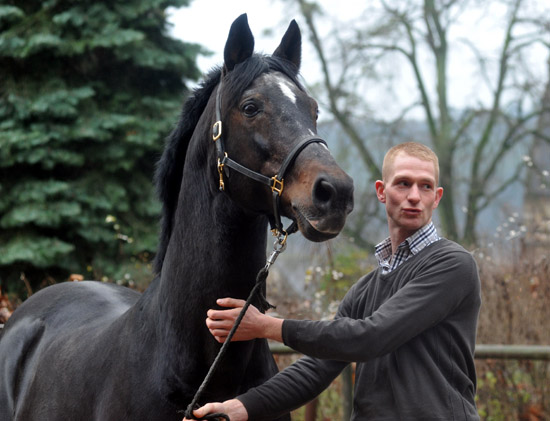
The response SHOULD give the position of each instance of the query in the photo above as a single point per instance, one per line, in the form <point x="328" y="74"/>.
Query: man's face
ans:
<point x="410" y="195"/>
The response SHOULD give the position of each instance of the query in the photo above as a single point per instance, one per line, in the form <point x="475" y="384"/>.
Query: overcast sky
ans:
<point x="207" y="22"/>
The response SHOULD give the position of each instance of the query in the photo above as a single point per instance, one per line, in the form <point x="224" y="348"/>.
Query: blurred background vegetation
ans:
<point x="89" y="90"/>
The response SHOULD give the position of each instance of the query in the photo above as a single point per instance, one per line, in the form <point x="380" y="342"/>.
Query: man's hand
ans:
<point x="233" y="408"/>
<point x="253" y="325"/>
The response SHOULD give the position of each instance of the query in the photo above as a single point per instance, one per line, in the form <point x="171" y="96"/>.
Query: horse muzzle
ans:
<point x="322" y="214"/>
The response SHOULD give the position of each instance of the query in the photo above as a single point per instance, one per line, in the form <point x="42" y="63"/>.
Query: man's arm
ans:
<point x="286" y="391"/>
<point x="426" y="300"/>
<point x="444" y="286"/>
<point x="290" y="389"/>
<point x="253" y="325"/>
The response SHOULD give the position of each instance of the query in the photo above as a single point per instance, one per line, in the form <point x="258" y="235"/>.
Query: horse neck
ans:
<point x="215" y="251"/>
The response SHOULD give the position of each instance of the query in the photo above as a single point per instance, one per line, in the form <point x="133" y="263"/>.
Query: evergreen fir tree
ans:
<point x="88" y="92"/>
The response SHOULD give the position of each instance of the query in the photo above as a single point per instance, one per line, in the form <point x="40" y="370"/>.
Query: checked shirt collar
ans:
<point x="408" y="248"/>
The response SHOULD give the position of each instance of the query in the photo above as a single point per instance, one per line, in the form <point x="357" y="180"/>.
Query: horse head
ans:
<point x="263" y="113"/>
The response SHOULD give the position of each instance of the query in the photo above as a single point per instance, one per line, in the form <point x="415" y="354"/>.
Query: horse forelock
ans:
<point x="242" y="76"/>
<point x="169" y="171"/>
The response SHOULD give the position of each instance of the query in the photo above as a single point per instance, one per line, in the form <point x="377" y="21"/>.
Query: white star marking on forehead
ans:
<point x="284" y="85"/>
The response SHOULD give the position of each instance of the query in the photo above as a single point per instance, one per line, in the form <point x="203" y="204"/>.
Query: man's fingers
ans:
<point x="223" y="314"/>
<point x="219" y="333"/>
<point x="230" y="302"/>
<point x="209" y="408"/>
<point x="219" y="324"/>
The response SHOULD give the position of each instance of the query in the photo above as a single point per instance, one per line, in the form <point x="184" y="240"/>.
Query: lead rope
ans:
<point x="278" y="247"/>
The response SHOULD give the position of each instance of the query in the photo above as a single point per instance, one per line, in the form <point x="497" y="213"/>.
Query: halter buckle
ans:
<point x="220" y="171"/>
<point x="277" y="185"/>
<point x="217" y="130"/>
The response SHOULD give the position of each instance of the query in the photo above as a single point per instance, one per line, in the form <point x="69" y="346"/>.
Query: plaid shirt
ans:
<point x="408" y="248"/>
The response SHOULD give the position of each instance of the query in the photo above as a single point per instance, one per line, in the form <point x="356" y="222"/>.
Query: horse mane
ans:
<point x="169" y="169"/>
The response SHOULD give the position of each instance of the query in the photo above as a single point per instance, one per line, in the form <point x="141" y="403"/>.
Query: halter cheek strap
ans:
<point x="276" y="183"/>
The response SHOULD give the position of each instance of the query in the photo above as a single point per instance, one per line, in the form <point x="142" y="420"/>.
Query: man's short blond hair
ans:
<point x="418" y="150"/>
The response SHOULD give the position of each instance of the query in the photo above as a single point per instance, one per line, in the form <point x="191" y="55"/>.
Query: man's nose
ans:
<point x="414" y="194"/>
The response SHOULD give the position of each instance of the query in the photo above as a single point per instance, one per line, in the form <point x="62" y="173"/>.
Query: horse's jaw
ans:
<point x="320" y="212"/>
<point x="318" y="229"/>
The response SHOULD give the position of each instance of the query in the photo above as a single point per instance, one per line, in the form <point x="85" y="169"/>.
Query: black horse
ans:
<point x="95" y="351"/>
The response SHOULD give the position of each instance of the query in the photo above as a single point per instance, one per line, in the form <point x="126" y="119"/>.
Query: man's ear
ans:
<point x="380" y="191"/>
<point x="438" y="196"/>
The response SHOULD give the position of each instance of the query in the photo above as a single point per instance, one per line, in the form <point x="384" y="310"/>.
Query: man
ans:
<point x="410" y="324"/>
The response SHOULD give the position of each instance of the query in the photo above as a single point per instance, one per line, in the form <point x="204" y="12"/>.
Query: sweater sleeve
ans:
<point x="290" y="389"/>
<point x="293" y="387"/>
<point x="433" y="293"/>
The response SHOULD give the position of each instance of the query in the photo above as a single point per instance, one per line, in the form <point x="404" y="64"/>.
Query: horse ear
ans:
<point x="290" y="47"/>
<point x="240" y="43"/>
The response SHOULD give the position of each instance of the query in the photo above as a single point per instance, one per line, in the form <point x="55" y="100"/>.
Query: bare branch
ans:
<point x="541" y="136"/>
<point x="489" y="197"/>
<point x="471" y="115"/>
<point x="511" y="138"/>
<point x="384" y="47"/>
<point x="495" y="111"/>
<point x="482" y="62"/>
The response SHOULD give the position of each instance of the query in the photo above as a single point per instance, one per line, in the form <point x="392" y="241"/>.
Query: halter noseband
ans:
<point x="276" y="183"/>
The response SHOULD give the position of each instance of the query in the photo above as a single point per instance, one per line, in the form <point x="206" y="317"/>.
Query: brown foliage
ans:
<point x="6" y="308"/>
<point x="516" y="298"/>
<point x="515" y="310"/>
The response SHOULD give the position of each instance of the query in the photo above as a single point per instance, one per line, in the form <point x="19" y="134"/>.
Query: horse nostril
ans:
<point x="323" y="193"/>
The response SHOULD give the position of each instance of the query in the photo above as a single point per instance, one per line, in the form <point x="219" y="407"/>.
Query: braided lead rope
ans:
<point x="278" y="247"/>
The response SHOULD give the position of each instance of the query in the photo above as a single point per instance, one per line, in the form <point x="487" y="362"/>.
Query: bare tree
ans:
<point x="473" y="142"/>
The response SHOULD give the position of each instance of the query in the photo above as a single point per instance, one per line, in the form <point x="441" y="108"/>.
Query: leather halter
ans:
<point x="276" y="183"/>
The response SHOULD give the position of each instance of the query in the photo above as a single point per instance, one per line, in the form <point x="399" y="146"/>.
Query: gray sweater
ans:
<point x="412" y="333"/>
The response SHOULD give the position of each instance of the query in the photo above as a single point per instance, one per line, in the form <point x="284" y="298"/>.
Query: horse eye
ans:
<point x="317" y="114"/>
<point x="250" y="109"/>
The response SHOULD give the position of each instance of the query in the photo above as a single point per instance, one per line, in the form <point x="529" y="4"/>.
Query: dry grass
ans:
<point x="515" y="310"/>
